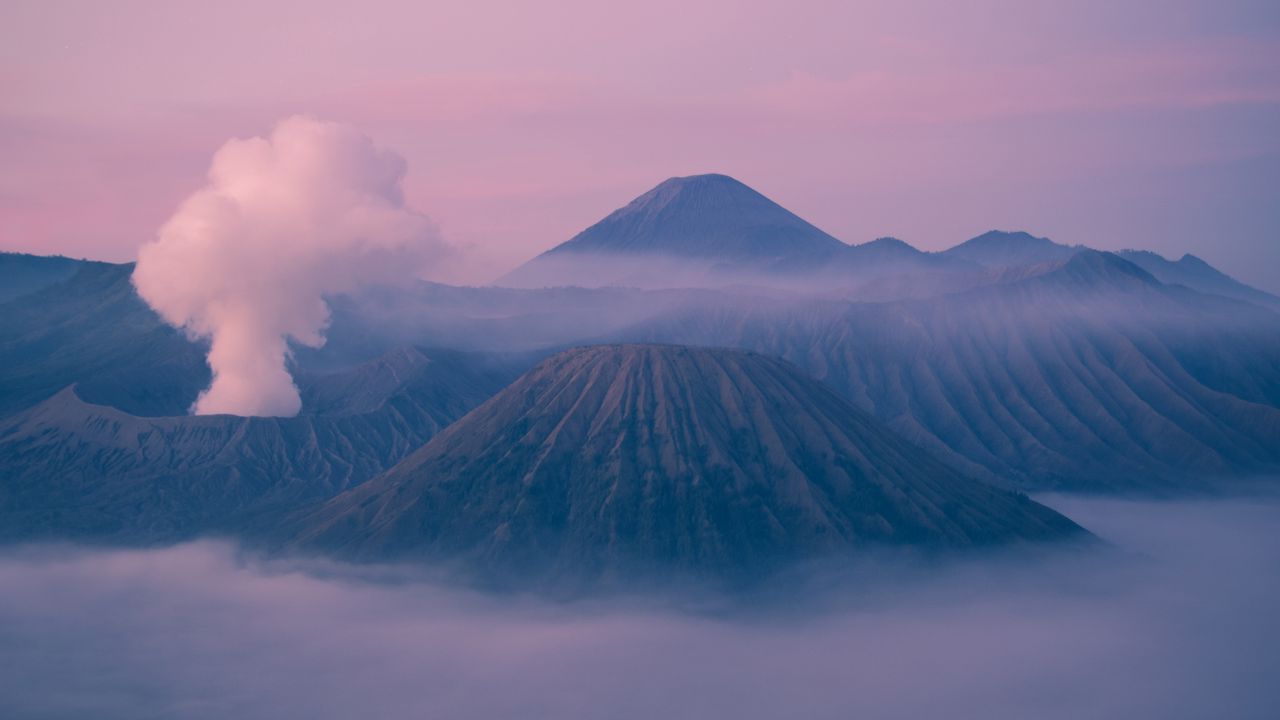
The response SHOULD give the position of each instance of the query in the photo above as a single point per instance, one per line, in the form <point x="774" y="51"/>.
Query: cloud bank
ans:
<point x="314" y="209"/>
<point x="1177" y="622"/>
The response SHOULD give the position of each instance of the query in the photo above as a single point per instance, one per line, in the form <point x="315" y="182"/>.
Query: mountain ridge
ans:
<point x="1001" y="248"/>
<point x="1091" y="375"/>
<point x="24" y="273"/>
<point x="686" y="231"/>
<point x="604" y="460"/>
<point x="1193" y="272"/>
<point x="701" y="215"/>
<point x="712" y="231"/>
<point x="72" y="468"/>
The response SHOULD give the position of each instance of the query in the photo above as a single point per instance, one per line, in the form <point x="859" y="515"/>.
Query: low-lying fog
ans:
<point x="1178" y="621"/>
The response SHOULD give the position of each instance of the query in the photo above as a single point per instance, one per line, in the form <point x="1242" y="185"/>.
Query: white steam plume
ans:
<point x="247" y="260"/>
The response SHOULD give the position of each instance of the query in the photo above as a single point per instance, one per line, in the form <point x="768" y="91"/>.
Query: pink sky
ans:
<point x="1139" y="124"/>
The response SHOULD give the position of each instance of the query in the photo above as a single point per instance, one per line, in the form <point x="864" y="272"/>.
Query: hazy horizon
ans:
<point x="1145" y="124"/>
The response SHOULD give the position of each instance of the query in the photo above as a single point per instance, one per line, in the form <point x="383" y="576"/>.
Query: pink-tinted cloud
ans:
<point x="246" y="261"/>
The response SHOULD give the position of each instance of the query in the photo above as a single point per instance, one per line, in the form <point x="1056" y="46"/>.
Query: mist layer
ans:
<point x="1176" y="621"/>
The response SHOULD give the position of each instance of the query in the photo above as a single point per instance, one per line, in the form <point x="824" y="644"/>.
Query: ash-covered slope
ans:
<point x="606" y="460"/>
<point x="69" y="468"/>
<point x="1090" y="376"/>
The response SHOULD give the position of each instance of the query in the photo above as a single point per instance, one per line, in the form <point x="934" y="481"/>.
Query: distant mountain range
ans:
<point x="1190" y="271"/>
<point x="934" y="383"/>
<point x="714" y="231"/>
<point x="683" y="229"/>
<point x="1005" y="379"/>
<point x="607" y="461"/>
<point x="1091" y="375"/>
<point x="998" y="250"/>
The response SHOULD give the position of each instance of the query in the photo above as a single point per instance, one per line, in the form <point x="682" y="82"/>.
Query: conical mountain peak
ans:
<point x="611" y="459"/>
<point x="714" y="186"/>
<point x="712" y="216"/>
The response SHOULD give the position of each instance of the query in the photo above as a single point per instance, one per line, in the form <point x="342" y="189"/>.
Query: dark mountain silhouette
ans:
<point x="69" y="468"/>
<point x="712" y="231"/>
<point x="686" y="231"/>
<point x="890" y="269"/>
<point x="702" y="216"/>
<point x="1092" y="375"/>
<point x="1000" y="249"/>
<point x="608" y="460"/>
<point x="890" y="248"/>
<point x="91" y="328"/>
<point x="21" y="274"/>
<point x="1192" y="272"/>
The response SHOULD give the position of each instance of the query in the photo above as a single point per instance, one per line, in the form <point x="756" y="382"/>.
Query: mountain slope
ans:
<point x="1000" y="249"/>
<point x="702" y="216"/>
<point x="675" y="234"/>
<point x="21" y="274"/>
<point x="94" y="330"/>
<point x="1198" y="275"/>
<point x="887" y="269"/>
<point x="608" y="460"/>
<point x="1091" y="376"/>
<point x="69" y="468"/>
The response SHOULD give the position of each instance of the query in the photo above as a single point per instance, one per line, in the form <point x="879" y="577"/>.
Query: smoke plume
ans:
<point x="247" y="260"/>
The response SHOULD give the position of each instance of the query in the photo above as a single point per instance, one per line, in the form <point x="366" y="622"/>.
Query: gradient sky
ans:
<point x="1152" y="124"/>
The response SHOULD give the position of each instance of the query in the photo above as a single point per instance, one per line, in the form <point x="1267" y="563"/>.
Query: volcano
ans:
<point x="680" y="233"/>
<point x="702" y="215"/>
<point x="607" y="462"/>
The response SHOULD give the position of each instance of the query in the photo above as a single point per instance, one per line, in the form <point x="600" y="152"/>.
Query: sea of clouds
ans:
<point x="1175" y="619"/>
